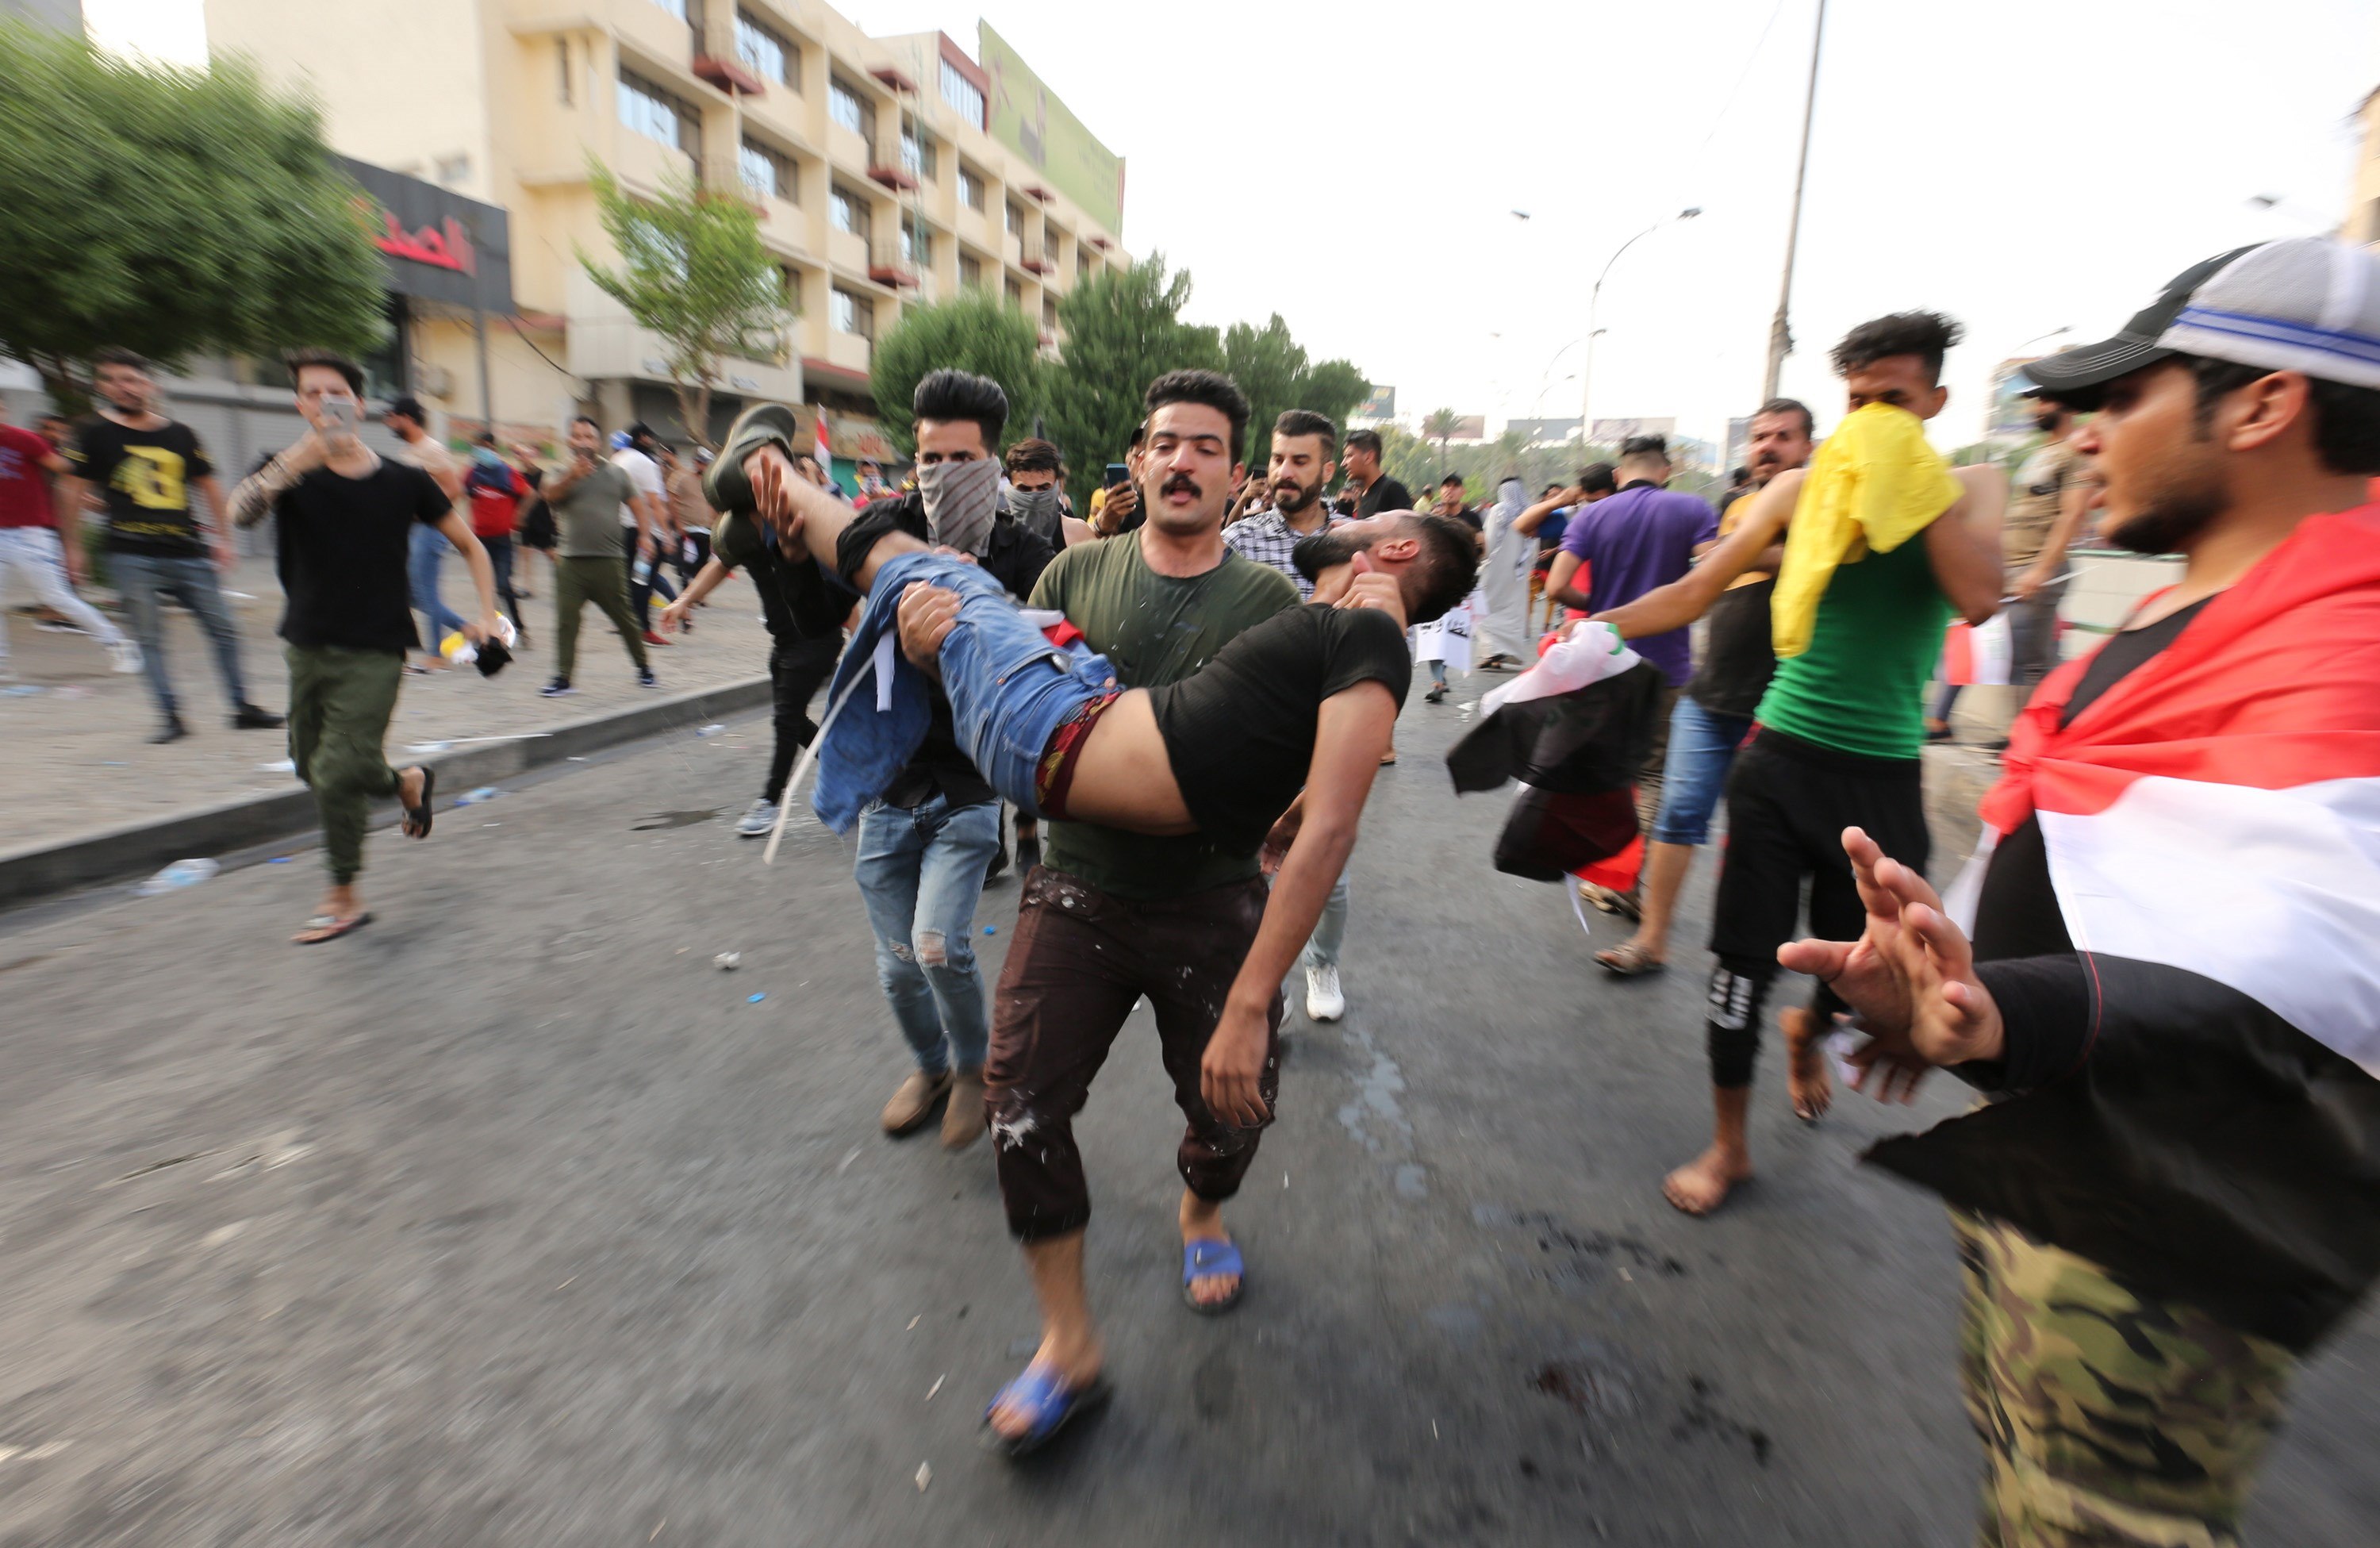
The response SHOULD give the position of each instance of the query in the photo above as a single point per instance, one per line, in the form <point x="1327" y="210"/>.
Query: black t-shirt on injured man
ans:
<point x="1240" y="733"/>
<point x="343" y="551"/>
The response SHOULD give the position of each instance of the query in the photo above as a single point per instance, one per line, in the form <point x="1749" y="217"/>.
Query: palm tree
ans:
<point x="1440" y="427"/>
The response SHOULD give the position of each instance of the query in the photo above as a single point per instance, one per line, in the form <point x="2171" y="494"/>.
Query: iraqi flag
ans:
<point x="2212" y="826"/>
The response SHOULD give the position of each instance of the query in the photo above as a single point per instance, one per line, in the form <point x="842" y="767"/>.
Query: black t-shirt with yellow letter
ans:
<point x="146" y="476"/>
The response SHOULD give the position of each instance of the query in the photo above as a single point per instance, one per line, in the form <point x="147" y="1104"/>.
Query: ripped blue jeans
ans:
<point x="921" y="869"/>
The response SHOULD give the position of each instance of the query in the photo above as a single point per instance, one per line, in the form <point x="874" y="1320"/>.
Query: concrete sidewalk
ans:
<point x="73" y="735"/>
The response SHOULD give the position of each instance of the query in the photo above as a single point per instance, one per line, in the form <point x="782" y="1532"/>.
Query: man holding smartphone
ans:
<point x="344" y="521"/>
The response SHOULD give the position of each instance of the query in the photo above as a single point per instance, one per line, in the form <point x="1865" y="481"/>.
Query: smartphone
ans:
<point x="1118" y="473"/>
<point x="338" y="416"/>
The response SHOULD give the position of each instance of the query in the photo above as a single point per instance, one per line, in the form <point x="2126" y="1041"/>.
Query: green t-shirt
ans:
<point x="1860" y="686"/>
<point x="1156" y="630"/>
<point x="588" y="516"/>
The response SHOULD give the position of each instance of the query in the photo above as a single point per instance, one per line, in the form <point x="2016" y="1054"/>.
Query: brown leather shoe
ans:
<point x="963" y="1120"/>
<point x="913" y="1102"/>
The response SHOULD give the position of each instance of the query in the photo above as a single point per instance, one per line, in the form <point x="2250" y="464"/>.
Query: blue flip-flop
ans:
<point x="1206" y="1259"/>
<point x="1050" y="1404"/>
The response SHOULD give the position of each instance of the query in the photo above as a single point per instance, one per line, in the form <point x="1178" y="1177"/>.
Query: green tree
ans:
<point x="972" y="331"/>
<point x="1332" y="388"/>
<point x="1272" y="369"/>
<point x="1440" y="427"/>
<point x="1124" y="329"/>
<point x="693" y="272"/>
<point x="172" y="211"/>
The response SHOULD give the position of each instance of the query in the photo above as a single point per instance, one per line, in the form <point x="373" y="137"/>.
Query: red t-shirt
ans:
<point x="24" y="483"/>
<point x="493" y="510"/>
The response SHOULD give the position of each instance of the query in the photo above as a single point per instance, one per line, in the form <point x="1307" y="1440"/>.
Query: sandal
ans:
<point x="1628" y="961"/>
<point x="418" y="818"/>
<point x="328" y="927"/>
<point x="1208" y="1259"/>
<point x="1051" y="1404"/>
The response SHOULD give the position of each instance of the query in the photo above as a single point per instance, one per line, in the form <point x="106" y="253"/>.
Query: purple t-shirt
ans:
<point x="1641" y="538"/>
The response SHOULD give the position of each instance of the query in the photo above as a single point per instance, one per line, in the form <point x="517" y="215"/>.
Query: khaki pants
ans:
<point x="577" y="581"/>
<point x="339" y="704"/>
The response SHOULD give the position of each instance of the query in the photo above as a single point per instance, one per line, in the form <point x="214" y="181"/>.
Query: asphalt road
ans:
<point x="511" y="1220"/>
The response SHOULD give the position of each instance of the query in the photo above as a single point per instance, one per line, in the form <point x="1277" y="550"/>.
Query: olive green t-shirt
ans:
<point x="587" y="516"/>
<point x="1154" y="630"/>
<point x="1860" y="686"/>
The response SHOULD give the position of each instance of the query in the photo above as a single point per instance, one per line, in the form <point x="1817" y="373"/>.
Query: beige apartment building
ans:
<point x="871" y="160"/>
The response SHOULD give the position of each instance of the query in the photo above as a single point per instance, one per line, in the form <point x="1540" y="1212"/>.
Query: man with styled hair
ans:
<point x="1375" y="490"/>
<point x="343" y="518"/>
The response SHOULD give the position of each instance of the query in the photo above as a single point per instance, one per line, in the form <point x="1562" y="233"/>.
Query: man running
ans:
<point x="1857" y="617"/>
<point x="146" y="464"/>
<point x="587" y="498"/>
<point x="343" y="518"/>
<point x="1714" y="710"/>
<point x="1305" y="445"/>
<point x="29" y="546"/>
<point x="2174" y="1195"/>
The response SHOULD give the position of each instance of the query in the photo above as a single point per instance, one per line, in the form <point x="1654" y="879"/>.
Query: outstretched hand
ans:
<point x="1909" y="978"/>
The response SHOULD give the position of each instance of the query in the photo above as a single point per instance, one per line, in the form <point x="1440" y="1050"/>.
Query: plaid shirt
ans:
<point x="1267" y="538"/>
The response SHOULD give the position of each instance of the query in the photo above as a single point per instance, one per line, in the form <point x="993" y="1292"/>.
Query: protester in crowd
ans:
<point x="872" y="485"/>
<point x="1375" y="490"/>
<point x="496" y="490"/>
<point x="344" y="519"/>
<point x="587" y="495"/>
<point x="409" y="422"/>
<point x="145" y="466"/>
<point x="1888" y="543"/>
<point x="804" y="614"/>
<point x="1714" y="710"/>
<point x="1550" y="518"/>
<point x="1503" y="622"/>
<point x="1452" y="501"/>
<point x="535" y="531"/>
<point x="2167" y="1203"/>
<point x="30" y="549"/>
<point x="1115" y="508"/>
<point x="1642" y="537"/>
<point x="690" y="515"/>
<point x="1305" y="446"/>
<point x="1037" y="496"/>
<point x="644" y="524"/>
<point x="1114" y="916"/>
<point x="2046" y="510"/>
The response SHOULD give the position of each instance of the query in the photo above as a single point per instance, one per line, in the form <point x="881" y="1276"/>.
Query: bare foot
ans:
<point x="1076" y="1368"/>
<point x="1703" y="1184"/>
<point x="1202" y="1221"/>
<point x="1806" y="1080"/>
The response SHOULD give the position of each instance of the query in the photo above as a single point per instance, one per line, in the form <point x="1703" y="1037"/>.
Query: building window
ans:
<point x="849" y="212"/>
<point x="767" y="174"/>
<point x="962" y="94"/>
<point x="970" y="270"/>
<point x="1016" y="217"/>
<point x="1082" y="265"/>
<point x="1048" y="315"/>
<point x="1016" y="294"/>
<point x="562" y="65"/>
<point x="794" y="291"/>
<point x="853" y="314"/>
<point x="768" y="55"/>
<point x="970" y="189"/>
<point x="846" y="108"/>
<point x="656" y="114"/>
<point x="917" y="153"/>
<point x="916" y="245"/>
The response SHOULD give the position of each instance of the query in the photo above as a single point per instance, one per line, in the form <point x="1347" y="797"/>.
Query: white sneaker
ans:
<point x="757" y="822"/>
<point x="124" y="655"/>
<point x="1323" y="999"/>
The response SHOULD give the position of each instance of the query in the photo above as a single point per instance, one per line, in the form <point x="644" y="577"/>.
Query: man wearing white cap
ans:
<point x="2173" y="1194"/>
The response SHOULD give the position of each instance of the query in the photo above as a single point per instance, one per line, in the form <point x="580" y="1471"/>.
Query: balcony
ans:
<point x="728" y="75"/>
<point x="887" y="166"/>
<point x="1037" y="193"/>
<point x="1036" y="259"/>
<point x="890" y="265"/>
<point x="896" y="78"/>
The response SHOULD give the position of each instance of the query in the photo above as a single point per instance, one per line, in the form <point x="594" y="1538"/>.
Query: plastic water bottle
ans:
<point x="180" y="874"/>
<point x="473" y="797"/>
<point x="709" y="730"/>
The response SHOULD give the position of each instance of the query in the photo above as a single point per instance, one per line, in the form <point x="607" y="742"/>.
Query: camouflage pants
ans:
<point x="2108" y="1419"/>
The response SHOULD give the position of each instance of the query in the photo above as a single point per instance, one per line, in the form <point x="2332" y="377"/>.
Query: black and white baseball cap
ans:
<point x="2308" y="303"/>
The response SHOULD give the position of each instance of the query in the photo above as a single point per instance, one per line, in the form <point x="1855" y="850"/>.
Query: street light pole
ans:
<point x="1780" y="331"/>
<point x="1593" y="303"/>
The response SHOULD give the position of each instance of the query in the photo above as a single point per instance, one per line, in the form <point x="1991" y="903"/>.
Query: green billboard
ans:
<point x="1027" y="118"/>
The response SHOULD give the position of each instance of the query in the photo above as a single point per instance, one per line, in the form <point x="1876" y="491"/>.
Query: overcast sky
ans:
<point x="2022" y="165"/>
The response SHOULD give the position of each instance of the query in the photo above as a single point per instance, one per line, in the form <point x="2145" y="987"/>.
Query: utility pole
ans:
<point x="1780" y="331"/>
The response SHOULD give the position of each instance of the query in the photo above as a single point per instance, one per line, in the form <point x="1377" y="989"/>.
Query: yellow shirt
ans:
<point x="1873" y="486"/>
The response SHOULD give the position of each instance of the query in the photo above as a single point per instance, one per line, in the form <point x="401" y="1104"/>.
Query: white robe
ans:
<point x="1504" y="578"/>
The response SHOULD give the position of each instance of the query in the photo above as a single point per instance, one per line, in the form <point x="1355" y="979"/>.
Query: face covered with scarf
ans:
<point x="960" y="499"/>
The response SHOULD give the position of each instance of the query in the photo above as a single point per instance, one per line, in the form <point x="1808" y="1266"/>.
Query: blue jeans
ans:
<point x="921" y="869"/>
<point x="1702" y="749"/>
<point x="429" y="545"/>
<point x="1330" y="931"/>
<point x="146" y="580"/>
<point x="1009" y="688"/>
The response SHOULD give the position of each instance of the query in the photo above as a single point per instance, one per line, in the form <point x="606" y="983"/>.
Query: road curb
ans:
<point x="137" y="849"/>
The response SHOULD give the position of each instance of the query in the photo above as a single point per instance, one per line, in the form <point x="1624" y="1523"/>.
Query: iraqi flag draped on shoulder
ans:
<point x="2212" y="823"/>
<point x="1574" y="729"/>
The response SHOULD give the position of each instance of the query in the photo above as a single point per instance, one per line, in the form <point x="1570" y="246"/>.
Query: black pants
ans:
<point x="699" y="544"/>
<point x="640" y="593"/>
<point x="1788" y="803"/>
<point x="797" y="668"/>
<point x="500" y="559"/>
